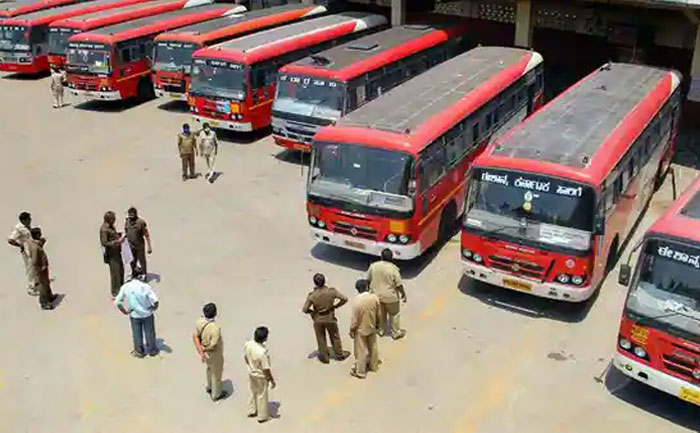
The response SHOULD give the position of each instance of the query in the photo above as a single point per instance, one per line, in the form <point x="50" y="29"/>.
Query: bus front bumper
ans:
<point x="657" y="379"/>
<point x="96" y="95"/>
<point x="291" y="144"/>
<point x="545" y="290"/>
<point x="160" y="93"/>
<point x="367" y="246"/>
<point x="224" y="124"/>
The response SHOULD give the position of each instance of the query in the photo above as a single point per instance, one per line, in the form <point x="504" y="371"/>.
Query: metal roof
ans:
<point x="407" y="106"/>
<point x="50" y="12"/>
<point x="120" y="10"/>
<point x="571" y="128"/>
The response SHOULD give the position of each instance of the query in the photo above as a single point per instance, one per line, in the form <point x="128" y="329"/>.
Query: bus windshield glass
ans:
<point x="14" y="38"/>
<point x="89" y="58"/>
<point x="373" y="178"/>
<point x="174" y="56"/>
<point x="541" y="209"/>
<point x="218" y="79"/>
<point x="58" y="40"/>
<point x="667" y="286"/>
<point x="309" y="96"/>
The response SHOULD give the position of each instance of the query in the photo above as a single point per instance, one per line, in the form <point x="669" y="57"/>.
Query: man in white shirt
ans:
<point x="208" y="149"/>
<point x="19" y="238"/>
<point x="138" y="300"/>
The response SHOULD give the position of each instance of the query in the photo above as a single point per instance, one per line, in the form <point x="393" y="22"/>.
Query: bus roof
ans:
<point x="46" y="16"/>
<point x="231" y="26"/>
<point x="19" y="7"/>
<point x="413" y="114"/>
<point x="583" y="132"/>
<point x="682" y="219"/>
<point x="117" y="15"/>
<point x="157" y="23"/>
<point x="357" y="57"/>
<point x="269" y="43"/>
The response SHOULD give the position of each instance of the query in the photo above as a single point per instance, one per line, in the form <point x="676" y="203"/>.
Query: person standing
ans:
<point x="210" y="346"/>
<point x="139" y="240"/>
<point x="40" y="263"/>
<point x="208" y="149"/>
<point x="187" y="146"/>
<point x="259" y="375"/>
<point x="138" y="300"/>
<point x="111" y="242"/>
<point x="19" y="237"/>
<point x="363" y="330"/>
<point x="58" y="79"/>
<point x="385" y="281"/>
<point x="321" y="305"/>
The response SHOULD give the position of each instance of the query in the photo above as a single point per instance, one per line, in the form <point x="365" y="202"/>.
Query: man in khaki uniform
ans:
<point x="111" y="242"/>
<point x="187" y="146"/>
<point x="385" y="281"/>
<point x="208" y="149"/>
<point x="18" y="238"/>
<point x="139" y="240"/>
<point x="210" y="346"/>
<point x="58" y="79"/>
<point x="321" y="305"/>
<point x="363" y="330"/>
<point x="40" y="263"/>
<point x="259" y="374"/>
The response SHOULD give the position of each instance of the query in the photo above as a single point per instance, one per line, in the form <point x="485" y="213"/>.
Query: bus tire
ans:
<point x="447" y="223"/>
<point x="612" y="255"/>
<point x="145" y="89"/>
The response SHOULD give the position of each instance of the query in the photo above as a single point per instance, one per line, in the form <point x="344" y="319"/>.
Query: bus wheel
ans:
<point x="447" y="223"/>
<point x="145" y="89"/>
<point x="612" y="255"/>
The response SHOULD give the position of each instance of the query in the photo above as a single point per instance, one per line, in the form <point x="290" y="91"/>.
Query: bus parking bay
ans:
<point x="476" y="358"/>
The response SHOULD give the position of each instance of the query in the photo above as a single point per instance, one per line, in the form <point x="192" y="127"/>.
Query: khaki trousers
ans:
<point x="210" y="159"/>
<point x="258" y="402"/>
<point x="57" y="97"/>
<point x="366" y="352"/>
<point x="187" y="165"/>
<point x="330" y="328"/>
<point x="29" y="272"/>
<point x="215" y="370"/>
<point x="393" y="311"/>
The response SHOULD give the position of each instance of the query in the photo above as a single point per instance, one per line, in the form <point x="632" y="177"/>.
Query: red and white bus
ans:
<point x="392" y="174"/>
<point x="552" y="202"/>
<point x="20" y="7"/>
<point x="317" y="90"/>
<point x="233" y="83"/>
<point x="114" y="62"/>
<point x="24" y="40"/>
<point x="659" y="339"/>
<point x="173" y="55"/>
<point x="61" y="30"/>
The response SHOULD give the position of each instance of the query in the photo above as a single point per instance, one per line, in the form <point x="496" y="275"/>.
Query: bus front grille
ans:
<point x="354" y="230"/>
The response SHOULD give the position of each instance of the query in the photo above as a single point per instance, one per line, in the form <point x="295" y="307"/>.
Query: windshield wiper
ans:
<point x="668" y="313"/>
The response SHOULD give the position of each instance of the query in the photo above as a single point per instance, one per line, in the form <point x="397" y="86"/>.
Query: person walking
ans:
<point x="139" y="240"/>
<point x="138" y="300"/>
<point x="210" y="347"/>
<point x="363" y="330"/>
<point x="385" y="281"/>
<point x="208" y="149"/>
<point x="111" y="242"/>
<point x="19" y="237"/>
<point x="321" y="305"/>
<point x="187" y="146"/>
<point x="40" y="263"/>
<point x="259" y="375"/>
<point x="58" y="80"/>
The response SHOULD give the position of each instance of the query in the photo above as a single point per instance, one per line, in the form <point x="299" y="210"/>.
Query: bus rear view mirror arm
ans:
<point x="623" y="278"/>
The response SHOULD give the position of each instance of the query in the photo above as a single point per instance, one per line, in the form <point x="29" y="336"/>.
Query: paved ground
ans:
<point x="476" y="359"/>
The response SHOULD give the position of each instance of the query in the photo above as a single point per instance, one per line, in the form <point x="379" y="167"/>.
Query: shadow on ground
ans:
<point x="27" y="77"/>
<point x="175" y="107"/>
<point x="241" y="137"/>
<point x="108" y="106"/>
<point x="294" y="157"/>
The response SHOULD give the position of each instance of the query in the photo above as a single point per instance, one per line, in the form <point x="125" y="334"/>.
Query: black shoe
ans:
<point x="53" y="298"/>
<point x="221" y="396"/>
<point x="208" y="390"/>
<point x="324" y="360"/>
<point x="252" y="415"/>
<point x="154" y="353"/>
<point x="343" y="356"/>
<point x="47" y="307"/>
<point x="260" y="421"/>
<point x="136" y="354"/>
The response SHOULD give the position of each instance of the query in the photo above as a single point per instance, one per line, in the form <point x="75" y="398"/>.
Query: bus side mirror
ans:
<point x="412" y="188"/>
<point x="623" y="278"/>
<point x="599" y="227"/>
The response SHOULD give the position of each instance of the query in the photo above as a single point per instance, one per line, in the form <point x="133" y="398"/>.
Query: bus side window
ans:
<point x="432" y="165"/>
<point x="454" y="144"/>
<point x="351" y="99"/>
<point x="489" y="120"/>
<point x="475" y="133"/>
<point x="125" y="54"/>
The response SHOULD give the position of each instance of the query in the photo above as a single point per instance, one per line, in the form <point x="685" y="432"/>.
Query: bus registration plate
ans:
<point x="358" y="245"/>
<point x="689" y="395"/>
<point x="517" y="285"/>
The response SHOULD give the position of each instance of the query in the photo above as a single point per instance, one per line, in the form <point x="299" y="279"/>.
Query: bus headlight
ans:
<point x="467" y="253"/>
<point x="625" y="343"/>
<point x="477" y="258"/>
<point x="577" y="279"/>
<point x="391" y="238"/>
<point x="404" y="239"/>
<point x="640" y="352"/>
<point x="563" y="278"/>
<point x="321" y="224"/>
<point x="313" y="220"/>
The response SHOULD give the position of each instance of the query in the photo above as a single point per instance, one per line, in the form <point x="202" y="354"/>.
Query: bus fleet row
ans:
<point x="414" y="131"/>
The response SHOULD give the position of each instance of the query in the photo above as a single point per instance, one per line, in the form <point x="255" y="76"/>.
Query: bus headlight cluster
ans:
<point x="235" y="116"/>
<point x="471" y="255"/>
<point x="193" y="109"/>
<point x="317" y="222"/>
<point x="576" y="280"/>
<point x="397" y="239"/>
<point x="628" y="346"/>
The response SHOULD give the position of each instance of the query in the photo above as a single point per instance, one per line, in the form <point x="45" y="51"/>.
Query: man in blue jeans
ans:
<point x="139" y="301"/>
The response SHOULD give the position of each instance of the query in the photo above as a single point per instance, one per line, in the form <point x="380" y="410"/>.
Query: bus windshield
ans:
<point x="174" y="56"/>
<point x="309" y="96"/>
<point x="667" y="286"/>
<point x="538" y="208"/>
<point x="14" y="38"/>
<point x="58" y="40"/>
<point x="89" y="60"/>
<point x="375" y="178"/>
<point x="219" y="79"/>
